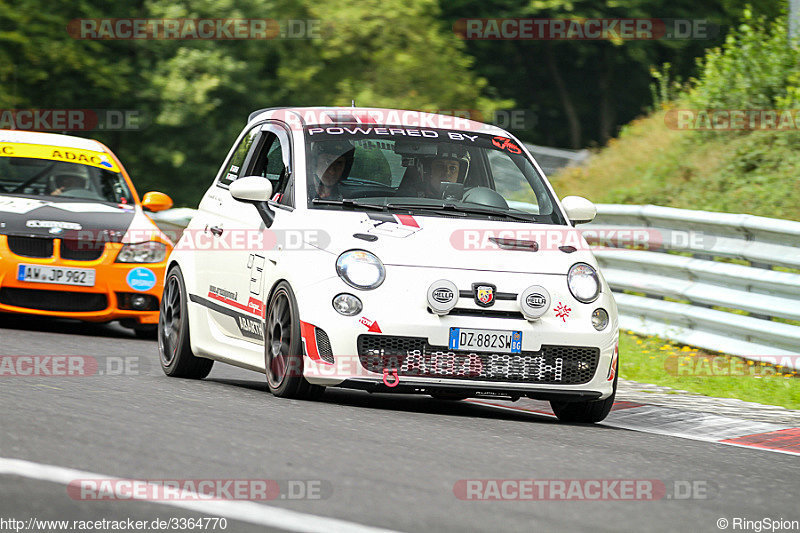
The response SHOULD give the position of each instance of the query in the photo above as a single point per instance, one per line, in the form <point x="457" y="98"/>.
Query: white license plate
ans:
<point x="83" y="277"/>
<point x="486" y="340"/>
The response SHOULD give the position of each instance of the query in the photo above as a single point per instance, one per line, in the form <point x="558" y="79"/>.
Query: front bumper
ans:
<point x="398" y="310"/>
<point x="105" y="301"/>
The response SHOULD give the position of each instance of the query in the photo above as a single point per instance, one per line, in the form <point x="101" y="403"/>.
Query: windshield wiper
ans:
<point x="348" y="203"/>
<point x="497" y="212"/>
<point x="449" y="209"/>
<point x="463" y="209"/>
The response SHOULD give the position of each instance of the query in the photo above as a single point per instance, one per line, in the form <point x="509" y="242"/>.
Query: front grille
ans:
<point x="53" y="300"/>
<point x="484" y="312"/>
<point x="81" y="250"/>
<point x="30" y="246"/>
<point x="323" y="345"/>
<point x="414" y="357"/>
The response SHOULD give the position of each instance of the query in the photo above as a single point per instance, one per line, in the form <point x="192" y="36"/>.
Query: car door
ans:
<point x="210" y="255"/>
<point x="237" y="281"/>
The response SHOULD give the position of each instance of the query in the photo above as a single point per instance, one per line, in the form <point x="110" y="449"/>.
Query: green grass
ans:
<point x="733" y="172"/>
<point x="655" y="360"/>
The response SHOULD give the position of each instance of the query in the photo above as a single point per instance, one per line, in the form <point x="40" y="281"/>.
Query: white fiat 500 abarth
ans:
<point x="391" y="251"/>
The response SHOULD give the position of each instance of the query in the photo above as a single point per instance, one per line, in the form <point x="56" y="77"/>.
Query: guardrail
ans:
<point x="724" y="282"/>
<point x="696" y="277"/>
<point x="553" y="159"/>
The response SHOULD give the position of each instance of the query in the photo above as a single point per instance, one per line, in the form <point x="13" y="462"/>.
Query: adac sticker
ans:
<point x="58" y="153"/>
<point x="141" y="279"/>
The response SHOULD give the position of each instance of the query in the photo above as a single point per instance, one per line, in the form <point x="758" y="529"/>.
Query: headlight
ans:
<point x="360" y="269"/>
<point x="600" y="319"/>
<point x="142" y="252"/>
<point x="347" y="304"/>
<point x="583" y="282"/>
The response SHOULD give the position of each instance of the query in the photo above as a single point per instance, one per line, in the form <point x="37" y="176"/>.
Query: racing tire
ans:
<point x="585" y="412"/>
<point x="174" y="348"/>
<point x="283" y="348"/>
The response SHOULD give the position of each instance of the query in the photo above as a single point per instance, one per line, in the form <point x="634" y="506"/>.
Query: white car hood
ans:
<point x="440" y="242"/>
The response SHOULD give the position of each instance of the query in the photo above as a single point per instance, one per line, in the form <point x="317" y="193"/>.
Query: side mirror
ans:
<point x="579" y="209"/>
<point x="251" y="189"/>
<point x="156" y="201"/>
<point x="254" y="190"/>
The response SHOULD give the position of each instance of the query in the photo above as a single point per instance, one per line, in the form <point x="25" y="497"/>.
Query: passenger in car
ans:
<point x="331" y="162"/>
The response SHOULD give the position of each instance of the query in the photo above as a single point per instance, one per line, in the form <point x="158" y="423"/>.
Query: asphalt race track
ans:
<point x="388" y="462"/>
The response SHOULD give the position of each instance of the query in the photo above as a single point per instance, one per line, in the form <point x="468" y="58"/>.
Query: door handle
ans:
<point x="215" y="231"/>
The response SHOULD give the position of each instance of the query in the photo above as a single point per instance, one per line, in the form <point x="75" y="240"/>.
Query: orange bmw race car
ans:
<point x="74" y="239"/>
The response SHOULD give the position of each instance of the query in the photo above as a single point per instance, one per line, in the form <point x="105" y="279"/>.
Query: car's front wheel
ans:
<point x="174" y="348"/>
<point x="283" y="348"/>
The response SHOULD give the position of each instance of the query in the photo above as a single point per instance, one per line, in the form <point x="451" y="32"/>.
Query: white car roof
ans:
<point x="50" y="139"/>
<point x="319" y="116"/>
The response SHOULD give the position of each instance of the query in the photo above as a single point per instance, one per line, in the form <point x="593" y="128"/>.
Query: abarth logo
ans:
<point x="484" y="294"/>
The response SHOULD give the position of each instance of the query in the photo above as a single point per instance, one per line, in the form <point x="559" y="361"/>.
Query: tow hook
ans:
<point x="396" y="378"/>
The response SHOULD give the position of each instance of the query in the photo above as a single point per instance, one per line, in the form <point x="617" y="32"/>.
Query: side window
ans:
<point x="272" y="162"/>
<point x="234" y="169"/>
<point x="510" y="181"/>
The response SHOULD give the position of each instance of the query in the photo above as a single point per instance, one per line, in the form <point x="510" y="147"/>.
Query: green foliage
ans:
<point x="663" y="362"/>
<point x="196" y="95"/>
<point x="665" y="89"/>
<point x="754" y="69"/>
<point x="731" y="171"/>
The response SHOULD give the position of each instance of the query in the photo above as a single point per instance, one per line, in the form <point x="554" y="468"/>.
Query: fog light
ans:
<point x="442" y="296"/>
<point x="600" y="319"/>
<point x="534" y="302"/>
<point x="139" y="302"/>
<point x="347" y="304"/>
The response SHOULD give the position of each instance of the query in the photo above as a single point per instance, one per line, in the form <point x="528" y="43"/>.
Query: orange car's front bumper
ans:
<point x="109" y="299"/>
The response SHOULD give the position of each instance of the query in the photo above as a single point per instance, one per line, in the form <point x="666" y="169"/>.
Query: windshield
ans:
<point x="439" y="172"/>
<point x="43" y="177"/>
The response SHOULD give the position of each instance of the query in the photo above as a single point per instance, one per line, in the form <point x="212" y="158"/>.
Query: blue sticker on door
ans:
<point x="141" y="279"/>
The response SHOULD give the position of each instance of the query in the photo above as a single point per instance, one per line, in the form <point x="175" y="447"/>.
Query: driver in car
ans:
<point x="448" y="166"/>
<point x="331" y="162"/>
<point x="65" y="182"/>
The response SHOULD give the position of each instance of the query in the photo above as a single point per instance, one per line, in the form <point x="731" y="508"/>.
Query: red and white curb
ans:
<point x="692" y="425"/>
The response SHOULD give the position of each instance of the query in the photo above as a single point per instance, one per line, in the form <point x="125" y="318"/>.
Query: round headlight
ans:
<point x="600" y="319"/>
<point x="360" y="269"/>
<point x="583" y="283"/>
<point x="347" y="304"/>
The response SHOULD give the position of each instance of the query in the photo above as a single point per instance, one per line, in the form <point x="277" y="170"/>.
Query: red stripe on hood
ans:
<point x="407" y="220"/>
